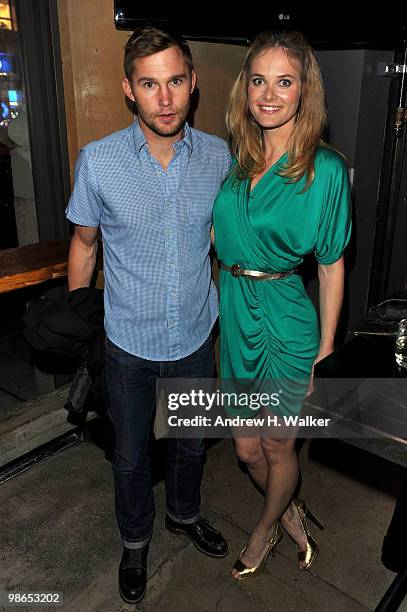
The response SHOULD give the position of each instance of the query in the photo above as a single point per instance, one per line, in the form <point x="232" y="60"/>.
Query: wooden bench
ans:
<point x="33" y="264"/>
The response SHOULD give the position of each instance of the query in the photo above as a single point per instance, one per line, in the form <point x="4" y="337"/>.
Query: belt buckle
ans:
<point x="235" y="270"/>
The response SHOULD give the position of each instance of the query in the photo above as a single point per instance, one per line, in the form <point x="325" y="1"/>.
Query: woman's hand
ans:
<point x="323" y="352"/>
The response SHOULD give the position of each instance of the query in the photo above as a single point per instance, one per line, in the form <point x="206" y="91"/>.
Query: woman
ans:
<point x="286" y="196"/>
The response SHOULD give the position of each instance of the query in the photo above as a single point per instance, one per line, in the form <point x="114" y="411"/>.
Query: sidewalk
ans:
<point x="58" y="533"/>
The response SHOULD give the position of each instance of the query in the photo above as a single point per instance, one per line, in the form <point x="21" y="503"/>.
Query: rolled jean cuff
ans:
<point x="136" y="545"/>
<point x="187" y="521"/>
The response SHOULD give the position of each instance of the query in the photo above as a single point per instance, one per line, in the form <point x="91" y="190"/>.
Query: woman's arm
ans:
<point x="331" y="282"/>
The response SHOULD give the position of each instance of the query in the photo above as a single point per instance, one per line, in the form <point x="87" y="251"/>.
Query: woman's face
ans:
<point x="274" y="90"/>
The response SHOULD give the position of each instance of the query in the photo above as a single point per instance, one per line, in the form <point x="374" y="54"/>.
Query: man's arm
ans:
<point x="82" y="257"/>
<point x="212" y="236"/>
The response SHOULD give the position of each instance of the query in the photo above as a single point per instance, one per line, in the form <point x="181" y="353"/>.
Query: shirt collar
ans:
<point x="140" y="140"/>
<point x="186" y="140"/>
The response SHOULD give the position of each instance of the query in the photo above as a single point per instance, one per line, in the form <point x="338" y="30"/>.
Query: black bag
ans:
<point x="65" y="326"/>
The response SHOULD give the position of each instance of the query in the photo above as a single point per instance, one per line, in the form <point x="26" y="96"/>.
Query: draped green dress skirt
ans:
<point x="269" y="328"/>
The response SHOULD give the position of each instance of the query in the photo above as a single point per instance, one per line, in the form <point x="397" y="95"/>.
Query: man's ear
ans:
<point x="193" y="80"/>
<point x="127" y="89"/>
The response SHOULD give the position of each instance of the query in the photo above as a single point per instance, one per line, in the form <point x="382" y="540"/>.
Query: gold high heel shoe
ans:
<point x="310" y="554"/>
<point x="246" y="572"/>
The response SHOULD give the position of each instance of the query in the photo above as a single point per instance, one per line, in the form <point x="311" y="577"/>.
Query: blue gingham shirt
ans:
<point x="160" y="301"/>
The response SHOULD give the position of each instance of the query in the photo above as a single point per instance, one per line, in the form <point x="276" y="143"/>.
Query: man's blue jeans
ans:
<point x="131" y="391"/>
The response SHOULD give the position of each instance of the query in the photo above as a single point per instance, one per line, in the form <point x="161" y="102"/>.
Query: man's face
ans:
<point x="161" y="87"/>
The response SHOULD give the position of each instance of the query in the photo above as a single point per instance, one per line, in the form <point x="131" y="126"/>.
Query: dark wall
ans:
<point x="368" y="162"/>
<point x="342" y="72"/>
<point x="357" y="101"/>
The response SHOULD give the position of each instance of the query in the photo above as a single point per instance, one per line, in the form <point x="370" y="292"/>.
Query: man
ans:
<point x="150" y="188"/>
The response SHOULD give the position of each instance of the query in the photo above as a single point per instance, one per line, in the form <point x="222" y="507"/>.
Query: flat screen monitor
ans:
<point x="331" y="26"/>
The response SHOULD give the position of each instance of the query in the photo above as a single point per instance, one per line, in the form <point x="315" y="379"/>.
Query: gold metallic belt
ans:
<point x="236" y="270"/>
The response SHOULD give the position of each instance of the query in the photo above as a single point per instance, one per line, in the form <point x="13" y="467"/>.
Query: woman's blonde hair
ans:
<point x="247" y="136"/>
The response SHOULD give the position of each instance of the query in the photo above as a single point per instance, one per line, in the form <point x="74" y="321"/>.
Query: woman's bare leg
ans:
<point x="273" y="465"/>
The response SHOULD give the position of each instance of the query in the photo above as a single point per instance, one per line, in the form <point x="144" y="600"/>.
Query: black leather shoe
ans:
<point x="133" y="574"/>
<point x="204" y="537"/>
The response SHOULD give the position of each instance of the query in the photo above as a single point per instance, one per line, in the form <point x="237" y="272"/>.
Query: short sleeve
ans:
<point x="336" y="217"/>
<point x="85" y="204"/>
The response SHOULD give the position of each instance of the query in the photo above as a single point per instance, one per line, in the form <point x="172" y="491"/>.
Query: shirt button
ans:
<point x="169" y="204"/>
<point x="172" y="265"/>
<point x="170" y="233"/>
<point x="172" y="322"/>
<point x="173" y="293"/>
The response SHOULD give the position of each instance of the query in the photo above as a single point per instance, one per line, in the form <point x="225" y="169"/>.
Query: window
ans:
<point x="6" y="20"/>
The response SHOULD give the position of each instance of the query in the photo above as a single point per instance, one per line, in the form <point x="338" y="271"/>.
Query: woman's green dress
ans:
<point x="269" y="328"/>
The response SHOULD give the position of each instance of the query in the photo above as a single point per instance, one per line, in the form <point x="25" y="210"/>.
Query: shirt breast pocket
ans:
<point x="199" y="223"/>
